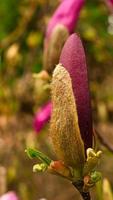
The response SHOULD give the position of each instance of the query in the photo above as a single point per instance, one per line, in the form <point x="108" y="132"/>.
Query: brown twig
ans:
<point x="79" y="187"/>
<point x="86" y="195"/>
<point x="103" y="141"/>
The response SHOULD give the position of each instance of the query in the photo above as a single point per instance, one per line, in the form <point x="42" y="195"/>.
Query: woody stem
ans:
<point x="86" y="195"/>
<point x="79" y="186"/>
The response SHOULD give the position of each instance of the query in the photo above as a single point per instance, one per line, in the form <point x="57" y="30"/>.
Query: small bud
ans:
<point x="42" y="75"/>
<point x="91" y="153"/>
<point x="40" y="167"/>
<point x="90" y="180"/>
<point x="65" y="131"/>
<point x="95" y="176"/>
<point x="58" y="167"/>
<point x="92" y="160"/>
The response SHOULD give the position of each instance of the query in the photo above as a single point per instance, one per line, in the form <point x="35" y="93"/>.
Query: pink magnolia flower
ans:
<point x="42" y="117"/>
<point x="109" y="4"/>
<point x="66" y="14"/>
<point x="9" y="196"/>
<point x="61" y="24"/>
<point x="111" y="1"/>
<point x="73" y="59"/>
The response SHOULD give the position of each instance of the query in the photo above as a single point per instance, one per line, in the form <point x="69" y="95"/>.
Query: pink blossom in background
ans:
<point x="42" y="117"/>
<point x="111" y="1"/>
<point x="109" y="4"/>
<point x="66" y="14"/>
<point x="9" y="196"/>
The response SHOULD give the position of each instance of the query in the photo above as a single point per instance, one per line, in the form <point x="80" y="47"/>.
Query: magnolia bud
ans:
<point x="65" y="132"/>
<point x="53" y="47"/>
<point x="57" y="167"/>
<point x="60" y="26"/>
<point x="74" y="61"/>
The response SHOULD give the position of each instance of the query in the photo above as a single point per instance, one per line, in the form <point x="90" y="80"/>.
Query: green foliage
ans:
<point x="32" y="153"/>
<point x="9" y="14"/>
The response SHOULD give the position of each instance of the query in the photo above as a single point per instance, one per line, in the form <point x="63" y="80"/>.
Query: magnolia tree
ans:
<point x="71" y="122"/>
<point x="69" y="111"/>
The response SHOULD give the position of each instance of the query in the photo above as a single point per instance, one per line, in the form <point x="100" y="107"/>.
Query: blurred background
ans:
<point x="22" y="28"/>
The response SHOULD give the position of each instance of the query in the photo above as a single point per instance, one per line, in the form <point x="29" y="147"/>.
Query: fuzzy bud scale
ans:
<point x="65" y="132"/>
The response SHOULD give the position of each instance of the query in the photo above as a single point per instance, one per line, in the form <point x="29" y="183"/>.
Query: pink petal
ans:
<point x="109" y="4"/>
<point x="9" y="196"/>
<point x="42" y="117"/>
<point x="66" y="14"/>
<point x="73" y="59"/>
<point x="111" y="1"/>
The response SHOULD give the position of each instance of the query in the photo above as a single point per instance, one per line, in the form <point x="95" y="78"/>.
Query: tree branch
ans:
<point x="79" y="187"/>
